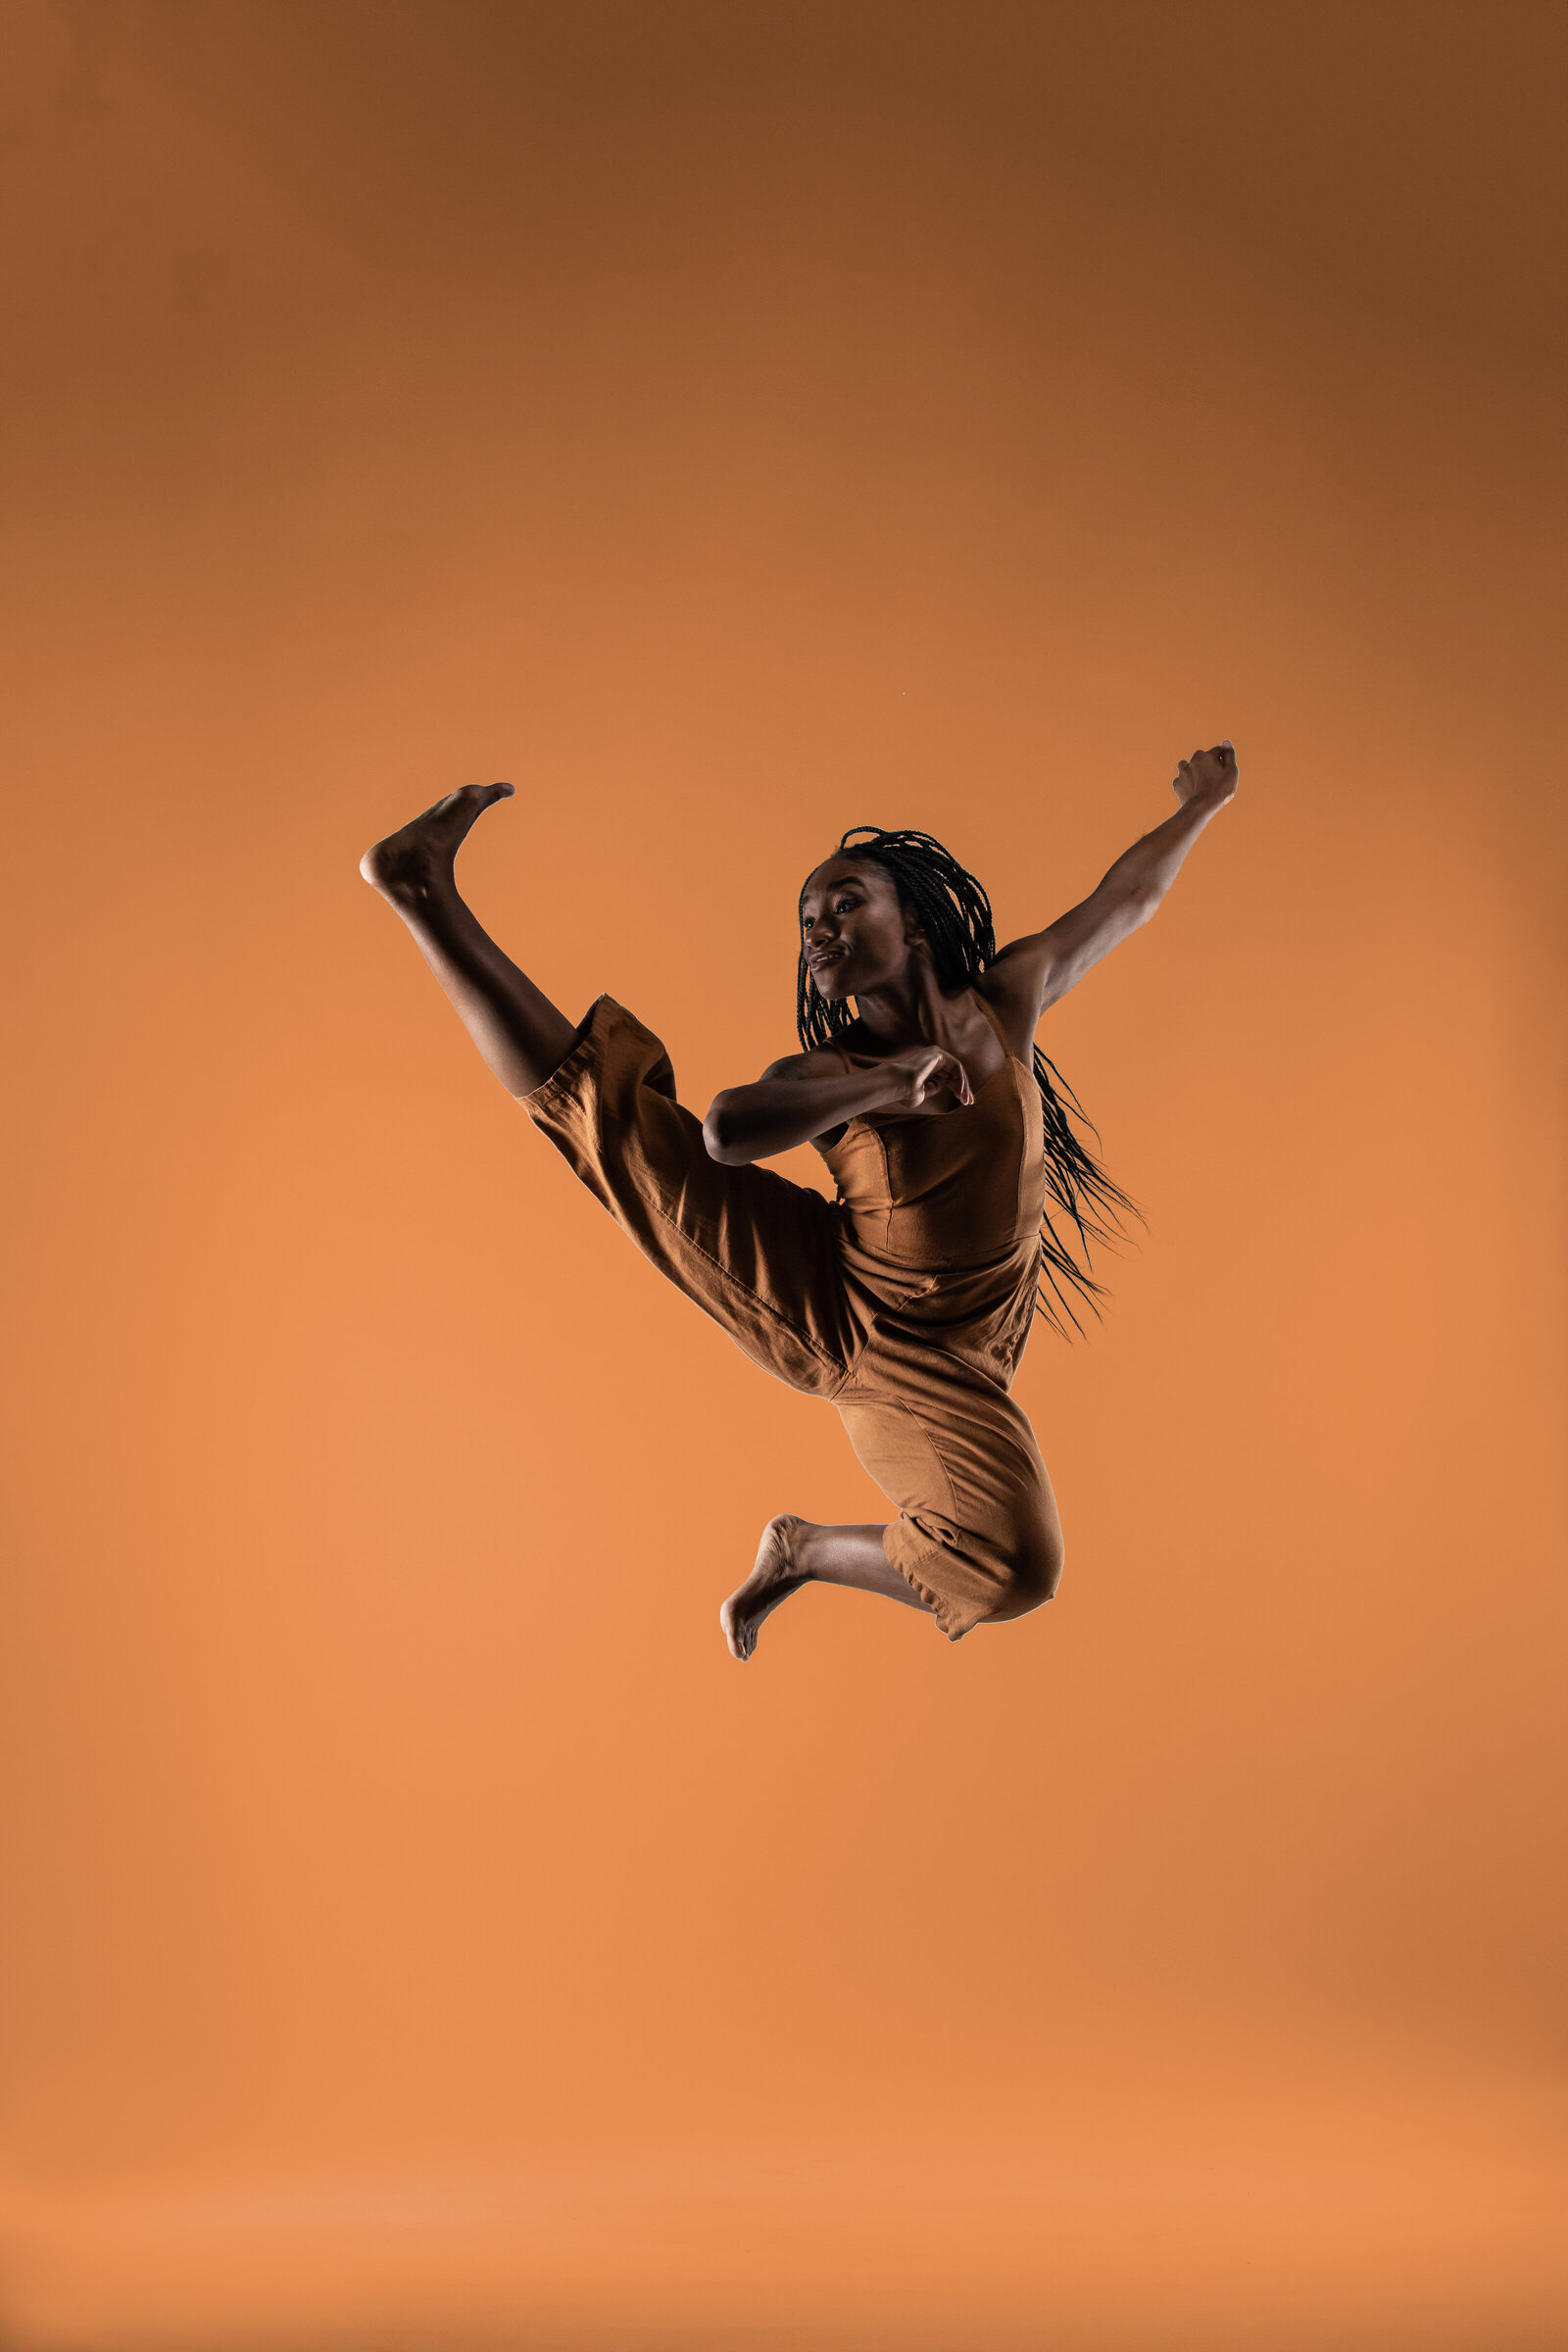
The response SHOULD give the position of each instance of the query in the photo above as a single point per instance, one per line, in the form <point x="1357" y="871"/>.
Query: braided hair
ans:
<point x="954" y="914"/>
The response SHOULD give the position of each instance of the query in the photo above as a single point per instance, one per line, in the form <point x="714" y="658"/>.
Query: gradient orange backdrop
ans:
<point x="733" y="425"/>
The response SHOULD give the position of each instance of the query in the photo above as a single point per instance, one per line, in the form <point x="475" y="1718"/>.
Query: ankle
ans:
<point x="804" y="1540"/>
<point x="422" y="886"/>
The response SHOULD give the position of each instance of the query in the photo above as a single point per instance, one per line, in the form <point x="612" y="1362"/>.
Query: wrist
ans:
<point x="1208" y="802"/>
<point x="887" y="1084"/>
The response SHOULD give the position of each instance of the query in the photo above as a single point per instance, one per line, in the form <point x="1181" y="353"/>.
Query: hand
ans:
<point x="1208" y="778"/>
<point x="921" y="1072"/>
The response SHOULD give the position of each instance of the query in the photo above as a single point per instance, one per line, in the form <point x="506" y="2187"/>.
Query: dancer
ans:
<point x="907" y="1301"/>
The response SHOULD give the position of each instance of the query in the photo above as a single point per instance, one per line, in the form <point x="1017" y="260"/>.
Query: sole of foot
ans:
<point x="773" y="1578"/>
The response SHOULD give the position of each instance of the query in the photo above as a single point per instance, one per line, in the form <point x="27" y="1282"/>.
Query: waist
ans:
<point x="944" y="1229"/>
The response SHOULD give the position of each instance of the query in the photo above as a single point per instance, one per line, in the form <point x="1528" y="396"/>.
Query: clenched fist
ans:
<point x="1208" y="777"/>
<point x="922" y="1075"/>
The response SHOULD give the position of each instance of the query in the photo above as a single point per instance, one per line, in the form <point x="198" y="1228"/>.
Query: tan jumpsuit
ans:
<point x="907" y="1302"/>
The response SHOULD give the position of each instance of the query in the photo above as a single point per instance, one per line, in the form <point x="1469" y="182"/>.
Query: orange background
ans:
<point x="733" y="425"/>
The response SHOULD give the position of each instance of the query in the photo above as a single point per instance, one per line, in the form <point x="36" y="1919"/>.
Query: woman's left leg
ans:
<point x="796" y="1551"/>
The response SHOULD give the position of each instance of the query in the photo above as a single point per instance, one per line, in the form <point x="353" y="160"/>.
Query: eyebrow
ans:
<point x="843" y="882"/>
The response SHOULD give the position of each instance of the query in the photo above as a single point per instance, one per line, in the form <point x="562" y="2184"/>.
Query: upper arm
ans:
<point x="791" y="1065"/>
<point x="788" y="1066"/>
<point x="1042" y="967"/>
<point x="718" y="1126"/>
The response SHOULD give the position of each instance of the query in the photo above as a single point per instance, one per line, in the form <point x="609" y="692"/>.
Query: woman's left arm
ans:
<point x="1037" y="970"/>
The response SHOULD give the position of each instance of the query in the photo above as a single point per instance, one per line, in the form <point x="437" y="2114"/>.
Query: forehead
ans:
<point x="834" y="870"/>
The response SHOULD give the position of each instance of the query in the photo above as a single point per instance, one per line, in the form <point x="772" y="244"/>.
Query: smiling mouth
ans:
<point x="816" y="963"/>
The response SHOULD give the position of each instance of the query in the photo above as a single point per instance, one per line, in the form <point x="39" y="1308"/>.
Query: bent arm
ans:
<point x="1039" y="969"/>
<point x="803" y="1096"/>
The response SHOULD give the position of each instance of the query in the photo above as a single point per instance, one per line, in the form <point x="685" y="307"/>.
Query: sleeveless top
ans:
<point x="940" y="1213"/>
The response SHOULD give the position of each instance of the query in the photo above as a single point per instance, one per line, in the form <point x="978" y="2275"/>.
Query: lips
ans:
<point x="825" y="956"/>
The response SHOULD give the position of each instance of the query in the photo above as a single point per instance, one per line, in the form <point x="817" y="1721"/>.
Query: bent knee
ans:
<point x="1035" y="1573"/>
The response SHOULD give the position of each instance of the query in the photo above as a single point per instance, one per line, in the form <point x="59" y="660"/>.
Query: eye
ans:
<point x="845" y="903"/>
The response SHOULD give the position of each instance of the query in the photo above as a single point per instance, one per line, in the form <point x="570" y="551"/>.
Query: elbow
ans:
<point x="720" y="1134"/>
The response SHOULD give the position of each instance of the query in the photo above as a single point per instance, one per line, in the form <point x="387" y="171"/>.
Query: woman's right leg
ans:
<point x="521" y="1035"/>
<point x="524" y="1037"/>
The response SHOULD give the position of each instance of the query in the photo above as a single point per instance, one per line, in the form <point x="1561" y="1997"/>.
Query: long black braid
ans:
<point x="954" y="914"/>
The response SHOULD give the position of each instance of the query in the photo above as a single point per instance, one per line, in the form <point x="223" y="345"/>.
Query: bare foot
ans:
<point x="409" y="864"/>
<point x="775" y="1577"/>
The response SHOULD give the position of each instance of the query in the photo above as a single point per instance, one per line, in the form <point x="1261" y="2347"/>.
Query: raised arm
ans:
<point x="1036" y="970"/>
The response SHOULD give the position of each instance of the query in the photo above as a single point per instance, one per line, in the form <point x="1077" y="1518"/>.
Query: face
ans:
<point x="855" y="933"/>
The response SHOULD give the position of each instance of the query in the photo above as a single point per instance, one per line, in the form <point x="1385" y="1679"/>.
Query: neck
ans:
<point x="906" y="1010"/>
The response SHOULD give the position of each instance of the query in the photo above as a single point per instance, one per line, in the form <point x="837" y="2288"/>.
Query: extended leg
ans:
<point x="796" y="1551"/>
<point x="521" y="1035"/>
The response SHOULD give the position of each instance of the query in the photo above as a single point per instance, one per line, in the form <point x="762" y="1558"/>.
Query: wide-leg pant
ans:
<point x="976" y="1534"/>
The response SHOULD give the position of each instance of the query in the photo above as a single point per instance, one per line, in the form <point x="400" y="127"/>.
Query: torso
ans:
<point x="939" y="1211"/>
<point x="968" y="1034"/>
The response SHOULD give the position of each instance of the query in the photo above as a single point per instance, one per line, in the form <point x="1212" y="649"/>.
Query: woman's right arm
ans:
<point x="807" y="1094"/>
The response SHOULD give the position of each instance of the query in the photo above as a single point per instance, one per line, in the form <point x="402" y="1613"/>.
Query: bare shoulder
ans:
<point x="1011" y="987"/>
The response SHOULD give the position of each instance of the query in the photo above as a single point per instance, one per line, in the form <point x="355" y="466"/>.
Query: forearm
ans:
<point x="1148" y="869"/>
<point x="752" y="1122"/>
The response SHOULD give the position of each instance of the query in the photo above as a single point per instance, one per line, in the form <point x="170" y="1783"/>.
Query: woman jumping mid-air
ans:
<point x="907" y="1302"/>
